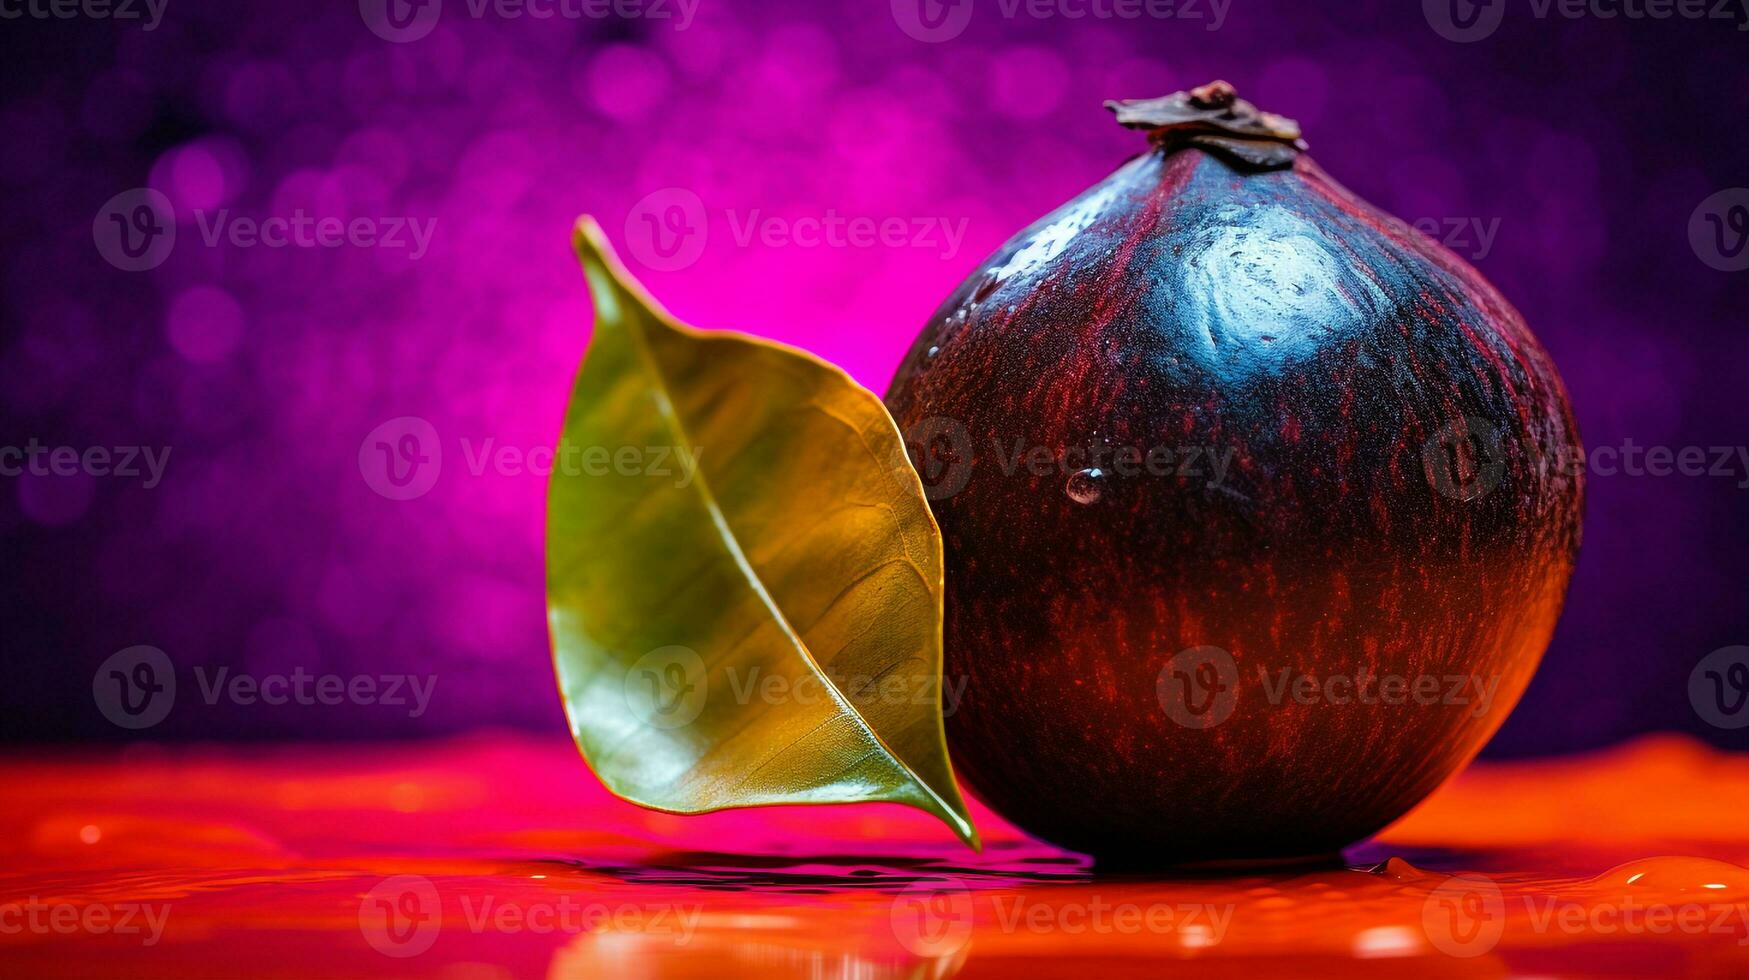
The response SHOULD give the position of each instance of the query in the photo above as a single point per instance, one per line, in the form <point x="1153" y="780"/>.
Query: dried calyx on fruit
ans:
<point x="1214" y="118"/>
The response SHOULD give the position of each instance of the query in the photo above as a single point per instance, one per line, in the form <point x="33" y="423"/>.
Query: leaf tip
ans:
<point x="954" y="812"/>
<point x="601" y="268"/>
<point x="614" y="289"/>
<point x="588" y="240"/>
<point x="970" y="835"/>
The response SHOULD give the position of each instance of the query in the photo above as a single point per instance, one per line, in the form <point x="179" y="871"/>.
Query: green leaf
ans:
<point x="744" y="581"/>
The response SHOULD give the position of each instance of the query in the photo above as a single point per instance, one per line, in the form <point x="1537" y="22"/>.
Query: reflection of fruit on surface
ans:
<point x="1212" y="432"/>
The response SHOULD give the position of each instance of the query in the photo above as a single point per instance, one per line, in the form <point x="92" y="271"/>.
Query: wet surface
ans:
<point x="501" y="857"/>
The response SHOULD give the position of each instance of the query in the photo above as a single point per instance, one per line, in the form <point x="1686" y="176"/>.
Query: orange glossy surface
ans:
<point x="502" y="857"/>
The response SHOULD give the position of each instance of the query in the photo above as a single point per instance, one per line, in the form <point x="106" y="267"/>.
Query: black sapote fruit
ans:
<point x="1256" y="503"/>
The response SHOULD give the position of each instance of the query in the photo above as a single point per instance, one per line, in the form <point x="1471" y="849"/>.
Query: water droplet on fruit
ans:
<point x="1086" y="486"/>
<point x="929" y="355"/>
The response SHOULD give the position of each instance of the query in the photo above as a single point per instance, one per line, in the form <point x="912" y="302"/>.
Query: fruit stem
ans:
<point x="1218" y="94"/>
<point x="1212" y="117"/>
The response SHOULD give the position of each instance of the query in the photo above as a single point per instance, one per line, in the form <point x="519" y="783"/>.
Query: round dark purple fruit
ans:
<point x="1258" y="504"/>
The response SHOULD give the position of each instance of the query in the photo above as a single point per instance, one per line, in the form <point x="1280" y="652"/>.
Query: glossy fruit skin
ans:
<point x="1187" y="301"/>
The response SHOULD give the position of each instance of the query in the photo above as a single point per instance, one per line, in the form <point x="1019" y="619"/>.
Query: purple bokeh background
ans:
<point x="1585" y="144"/>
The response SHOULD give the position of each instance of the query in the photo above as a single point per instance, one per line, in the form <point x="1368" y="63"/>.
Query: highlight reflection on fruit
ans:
<point x="1254" y="502"/>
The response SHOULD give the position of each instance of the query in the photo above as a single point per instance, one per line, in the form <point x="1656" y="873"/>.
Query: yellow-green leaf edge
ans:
<point x="615" y="291"/>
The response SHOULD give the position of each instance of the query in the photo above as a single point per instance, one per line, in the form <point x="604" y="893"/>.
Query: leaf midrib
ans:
<point x="677" y="428"/>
